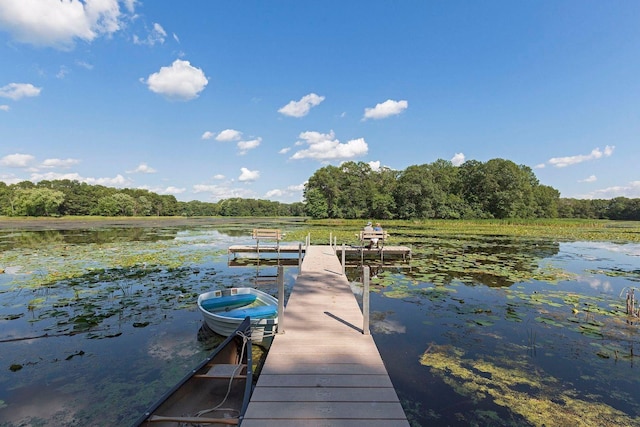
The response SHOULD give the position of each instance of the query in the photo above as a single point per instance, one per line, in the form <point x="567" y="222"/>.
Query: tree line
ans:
<point x="73" y="198"/>
<point x="497" y="188"/>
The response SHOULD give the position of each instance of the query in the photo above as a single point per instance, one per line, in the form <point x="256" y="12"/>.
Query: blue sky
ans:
<point x="208" y="99"/>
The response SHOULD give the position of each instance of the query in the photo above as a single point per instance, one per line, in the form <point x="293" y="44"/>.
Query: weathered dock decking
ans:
<point x="323" y="371"/>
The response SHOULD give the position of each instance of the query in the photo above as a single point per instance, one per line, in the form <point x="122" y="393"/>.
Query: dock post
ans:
<point x="331" y="238"/>
<point x="365" y="300"/>
<point x="280" y="299"/>
<point x="299" y="255"/>
<point x="344" y="263"/>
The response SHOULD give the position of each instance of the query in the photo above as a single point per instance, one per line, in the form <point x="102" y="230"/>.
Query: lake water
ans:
<point x="95" y="325"/>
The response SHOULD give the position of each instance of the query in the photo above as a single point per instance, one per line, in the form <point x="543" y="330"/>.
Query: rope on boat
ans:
<point x="245" y="339"/>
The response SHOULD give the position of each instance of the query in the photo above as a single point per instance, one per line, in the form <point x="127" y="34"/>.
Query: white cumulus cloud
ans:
<point x="385" y="109"/>
<point x="59" y="24"/>
<point x="324" y="147"/>
<point x="274" y="193"/>
<point x="60" y="163"/>
<point x="172" y="190"/>
<point x="17" y="91"/>
<point x="301" y="108"/>
<point x="631" y="190"/>
<point x="117" y="181"/>
<point x="17" y="160"/>
<point x="4" y="107"/>
<point x="457" y="159"/>
<point x="229" y="135"/>
<point x="52" y="176"/>
<point x="180" y="81"/>
<point x="248" y="175"/>
<point x="143" y="168"/>
<point x="245" y="146"/>
<point x="219" y="192"/>
<point x="292" y="192"/>
<point x="591" y="178"/>
<point x="596" y="153"/>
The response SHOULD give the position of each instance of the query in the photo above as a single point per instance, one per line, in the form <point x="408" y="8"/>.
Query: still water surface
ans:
<point x="96" y="324"/>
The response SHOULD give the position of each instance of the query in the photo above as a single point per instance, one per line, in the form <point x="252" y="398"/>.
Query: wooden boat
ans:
<point x="224" y="309"/>
<point x="217" y="392"/>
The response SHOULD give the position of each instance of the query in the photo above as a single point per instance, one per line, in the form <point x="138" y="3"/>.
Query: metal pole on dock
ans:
<point x="280" y="299"/>
<point x="365" y="300"/>
<point x="344" y="263"/>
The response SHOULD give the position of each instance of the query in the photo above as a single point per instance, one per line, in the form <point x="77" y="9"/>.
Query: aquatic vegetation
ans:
<point x="99" y="286"/>
<point x="495" y="262"/>
<point x="521" y="387"/>
<point x="551" y="229"/>
<point x="531" y="325"/>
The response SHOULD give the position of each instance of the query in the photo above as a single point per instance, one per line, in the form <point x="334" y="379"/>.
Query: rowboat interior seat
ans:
<point x="225" y="371"/>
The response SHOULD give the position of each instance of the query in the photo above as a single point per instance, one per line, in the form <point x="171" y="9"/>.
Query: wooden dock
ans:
<point x="381" y="253"/>
<point x="350" y="251"/>
<point x="323" y="371"/>
<point x="255" y="249"/>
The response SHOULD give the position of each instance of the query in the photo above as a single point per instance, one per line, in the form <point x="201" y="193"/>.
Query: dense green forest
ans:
<point x="73" y="198"/>
<point x="497" y="188"/>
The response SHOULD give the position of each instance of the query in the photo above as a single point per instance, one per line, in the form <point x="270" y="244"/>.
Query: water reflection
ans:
<point x="473" y="331"/>
<point x="58" y="231"/>
<point x="535" y="352"/>
<point x="103" y="331"/>
<point x="490" y="261"/>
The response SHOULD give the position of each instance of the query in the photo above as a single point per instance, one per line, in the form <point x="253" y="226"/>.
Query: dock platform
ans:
<point x="255" y="249"/>
<point x="350" y="251"/>
<point x="321" y="370"/>
<point x="403" y="252"/>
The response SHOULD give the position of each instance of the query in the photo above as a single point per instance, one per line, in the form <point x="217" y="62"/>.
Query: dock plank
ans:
<point x="323" y="371"/>
<point x="315" y="394"/>
<point x="328" y="368"/>
<point x="327" y="410"/>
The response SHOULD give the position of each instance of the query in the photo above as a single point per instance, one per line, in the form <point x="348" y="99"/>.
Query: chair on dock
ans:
<point x="269" y="234"/>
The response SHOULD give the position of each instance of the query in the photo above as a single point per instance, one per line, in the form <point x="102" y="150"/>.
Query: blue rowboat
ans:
<point x="223" y="310"/>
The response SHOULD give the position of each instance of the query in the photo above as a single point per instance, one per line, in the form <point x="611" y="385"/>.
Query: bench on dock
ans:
<point x="366" y="237"/>
<point x="270" y="234"/>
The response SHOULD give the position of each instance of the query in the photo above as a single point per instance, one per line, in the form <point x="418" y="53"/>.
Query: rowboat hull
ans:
<point x="224" y="319"/>
<point x="223" y="379"/>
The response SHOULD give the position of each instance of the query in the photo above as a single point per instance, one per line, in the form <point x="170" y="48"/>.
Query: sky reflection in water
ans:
<point x="540" y="325"/>
<point x="110" y="371"/>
